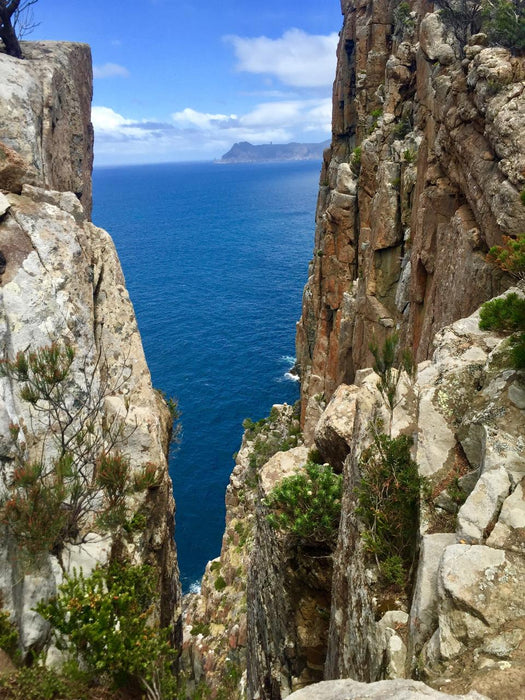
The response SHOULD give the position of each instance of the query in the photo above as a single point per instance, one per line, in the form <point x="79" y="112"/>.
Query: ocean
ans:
<point x="215" y="259"/>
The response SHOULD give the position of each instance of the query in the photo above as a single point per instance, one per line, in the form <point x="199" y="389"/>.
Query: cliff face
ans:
<point x="46" y="136"/>
<point x="61" y="282"/>
<point x="423" y="175"/>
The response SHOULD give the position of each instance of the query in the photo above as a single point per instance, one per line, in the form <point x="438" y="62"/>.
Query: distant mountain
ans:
<point x="245" y="152"/>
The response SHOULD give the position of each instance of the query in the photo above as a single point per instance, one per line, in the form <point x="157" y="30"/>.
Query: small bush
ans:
<point x="402" y="128"/>
<point x="103" y="620"/>
<point x="200" y="628"/>
<point x="220" y="583"/>
<point x="510" y="257"/>
<point x="38" y="682"/>
<point x="49" y="502"/>
<point x="409" y="156"/>
<point x="307" y="506"/>
<point x="388" y="504"/>
<point x="504" y="23"/>
<point x="8" y="635"/>
<point x="507" y="315"/>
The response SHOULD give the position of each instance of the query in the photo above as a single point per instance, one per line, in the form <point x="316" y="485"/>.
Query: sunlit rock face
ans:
<point x="422" y="177"/>
<point x="46" y="136"/>
<point x="61" y="282"/>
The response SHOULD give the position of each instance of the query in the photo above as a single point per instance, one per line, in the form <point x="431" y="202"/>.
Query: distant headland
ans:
<point x="245" y="152"/>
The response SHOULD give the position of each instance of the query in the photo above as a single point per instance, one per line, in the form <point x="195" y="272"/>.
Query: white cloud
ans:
<point x="189" y="118"/>
<point x="193" y="135"/>
<point x="297" y="58"/>
<point x="110" y="70"/>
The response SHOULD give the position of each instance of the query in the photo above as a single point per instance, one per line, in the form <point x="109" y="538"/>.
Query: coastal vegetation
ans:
<point x="83" y="477"/>
<point x="306" y="506"/>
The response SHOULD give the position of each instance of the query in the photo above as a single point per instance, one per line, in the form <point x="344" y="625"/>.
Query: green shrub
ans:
<point x="507" y="315"/>
<point x="49" y="502"/>
<point x="220" y="583"/>
<point x="510" y="257"/>
<point x="402" y="128"/>
<point x="104" y="620"/>
<point x="504" y="23"/>
<point x="503" y="314"/>
<point x="409" y="155"/>
<point x="356" y="156"/>
<point x="8" y="635"/>
<point x="388" y="362"/>
<point x="269" y="436"/>
<point x="388" y="504"/>
<point x="403" y="20"/>
<point x="307" y="506"/>
<point x="38" y="682"/>
<point x="200" y="628"/>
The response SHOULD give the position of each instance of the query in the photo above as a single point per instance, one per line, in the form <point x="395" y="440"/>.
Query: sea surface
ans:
<point x="215" y="259"/>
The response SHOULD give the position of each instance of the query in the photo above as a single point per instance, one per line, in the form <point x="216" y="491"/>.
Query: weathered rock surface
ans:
<point x="61" y="282"/>
<point x="46" y="136"/>
<point x="423" y="175"/>
<point x="396" y="690"/>
<point x="466" y="597"/>
<point x="218" y="637"/>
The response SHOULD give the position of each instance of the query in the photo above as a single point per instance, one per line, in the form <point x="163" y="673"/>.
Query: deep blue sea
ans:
<point x="215" y="259"/>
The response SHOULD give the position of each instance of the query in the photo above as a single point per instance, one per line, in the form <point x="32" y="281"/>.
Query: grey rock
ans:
<point x="394" y="690"/>
<point x="482" y="507"/>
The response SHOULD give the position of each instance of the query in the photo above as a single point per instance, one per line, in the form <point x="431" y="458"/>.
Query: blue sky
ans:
<point x="179" y="80"/>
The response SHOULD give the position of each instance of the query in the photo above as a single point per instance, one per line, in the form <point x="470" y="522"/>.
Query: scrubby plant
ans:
<point x="81" y="475"/>
<point x="409" y="156"/>
<point x="355" y="161"/>
<point x="402" y="128"/>
<point x="403" y="20"/>
<point x="104" y="620"/>
<point x="200" y="628"/>
<point x="8" y="634"/>
<point x="307" y="506"/>
<point x="220" y="583"/>
<point x="507" y="314"/>
<point x="463" y="18"/>
<point x="389" y="360"/>
<point x="504" y="23"/>
<point x="510" y="256"/>
<point x="388" y="504"/>
<point x="269" y="436"/>
<point x="37" y="682"/>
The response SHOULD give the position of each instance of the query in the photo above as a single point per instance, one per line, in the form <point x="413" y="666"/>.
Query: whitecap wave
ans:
<point x="291" y="376"/>
<point x="289" y="359"/>
<point x="195" y="587"/>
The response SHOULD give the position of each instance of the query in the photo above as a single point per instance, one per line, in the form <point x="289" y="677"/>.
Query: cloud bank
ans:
<point x="297" y="59"/>
<point x="192" y="135"/>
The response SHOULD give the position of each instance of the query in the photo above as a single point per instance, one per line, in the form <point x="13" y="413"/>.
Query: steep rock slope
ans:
<point x="61" y="282"/>
<point x="423" y="175"/>
<point x="458" y="624"/>
<point x="46" y="136"/>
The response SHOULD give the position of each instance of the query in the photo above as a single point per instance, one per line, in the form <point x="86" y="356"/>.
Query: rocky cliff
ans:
<point x="423" y="176"/>
<point x="62" y="287"/>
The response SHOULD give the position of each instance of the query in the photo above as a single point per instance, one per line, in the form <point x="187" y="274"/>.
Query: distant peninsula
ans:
<point x="245" y="152"/>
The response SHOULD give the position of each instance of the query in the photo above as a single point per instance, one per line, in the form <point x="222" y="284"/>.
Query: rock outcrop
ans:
<point x="61" y="283"/>
<point x="46" y="136"/>
<point x="423" y="176"/>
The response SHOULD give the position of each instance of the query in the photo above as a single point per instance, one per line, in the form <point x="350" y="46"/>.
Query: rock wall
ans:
<point x="46" y="136"/>
<point x="61" y="282"/>
<point x="423" y="175"/>
<point x="458" y="623"/>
